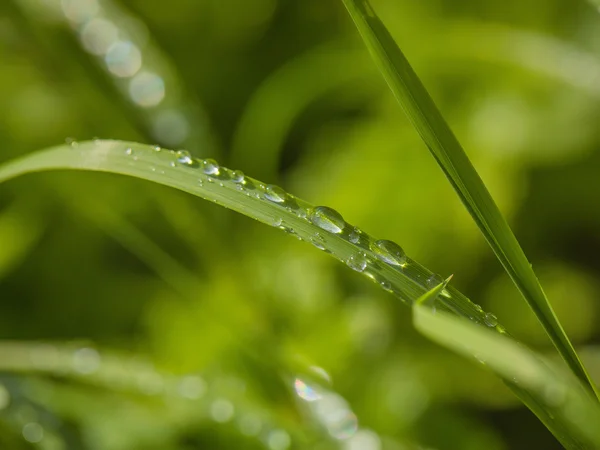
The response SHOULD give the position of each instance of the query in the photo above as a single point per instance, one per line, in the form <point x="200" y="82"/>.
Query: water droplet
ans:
<point x="327" y="219"/>
<point x="239" y="187"/>
<point x="386" y="285"/>
<point x="221" y="185"/>
<point x="192" y="387"/>
<point x="355" y="235"/>
<point x="172" y="164"/>
<point x="279" y="440"/>
<point x="277" y="222"/>
<point x="317" y="244"/>
<point x="210" y="167"/>
<point x="86" y="360"/>
<point x="389" y="252"/>
<point x="433" y="281"/>
<point x="157" y="148"/>
<point x="477" y="307"/>
<point x="222" y="410"/>
<point x="490" y="320"/>
<point x="129" y="151"/>
<point x="250" y="425"/>
<point x="357" y="262"/>
<point x="33" y="432"/>
<point x="184" y="157"/>
<point x="306" y="392"/>
<point x="275" y="194"/>
<point x="238" y="176"/>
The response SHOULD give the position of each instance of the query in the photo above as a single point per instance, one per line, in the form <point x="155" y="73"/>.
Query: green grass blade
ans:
<point x="435" y="132"/>
<point x="554" y="395"/>
<point x="265" y="203"/>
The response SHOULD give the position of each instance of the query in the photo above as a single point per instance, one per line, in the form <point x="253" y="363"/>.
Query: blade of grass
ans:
<point x="232" y="189"/>
<point x="250" y="197"/>
<point x="437" y="135"/>
<point x="555" y="396"/>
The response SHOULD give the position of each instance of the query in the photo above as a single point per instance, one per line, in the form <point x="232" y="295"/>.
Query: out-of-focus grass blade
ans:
<point x="435" y="132"/>
<point x="554" y="395"/>
<point x="556" y="398"/>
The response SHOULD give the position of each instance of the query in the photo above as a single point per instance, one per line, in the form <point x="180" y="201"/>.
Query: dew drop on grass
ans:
<point x="129" y="151"/>
<point x="490" y="320"/>
<point x="355" y="235"/>
<point x="389" y="252"/>
<point x="386" y="285"/>
<point x="275" y="194"/>
<point x="433" y="281"/>
<point x="238" y="176"/>
<point x="210" y="167"/>
<point x="327" y="219"/>
<point x="184" y="158"/>
<point x="357" y="262"/>
<point x="317" y="244"/>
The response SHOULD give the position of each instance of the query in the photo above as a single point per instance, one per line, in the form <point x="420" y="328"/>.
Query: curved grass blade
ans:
<point x="437" y="135"/>
<point x="554" y="395"/>
<point x="382" y="261"/>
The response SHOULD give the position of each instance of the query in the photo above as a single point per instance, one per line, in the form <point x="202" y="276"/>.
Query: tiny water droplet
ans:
<point x="320" y="237"/>
<point x="478" y="307"/>
<point x="355" y="235"/>
<point x="129" y="151"/>
<point x="433" y="281"/>
<point x="277" y="222"/>
<point x="327" y="219"/>
<point x="317" y="244"/>
<point x="221" y="184"/>
<point x="490" y="320"/>
<point x="72" y="142"/>
<point x="157" y="148"/>
<point x="172" y="164"/>
<point x="210" y="167"/>
<point x="275" y="194"/>
<point x="386" y="285"/>
<point x="357" y="262"/>
<point x="239" y="187"/>
<point x="184" y="157"/>
<point x="389" y="252"/>
<point x="210" y="180"/>
<point x="200" y="182"/>
<point x="302" y="213"/>
<point x="238" y="176"/>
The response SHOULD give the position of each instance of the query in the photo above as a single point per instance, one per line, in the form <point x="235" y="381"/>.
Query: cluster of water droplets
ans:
<point x="121" y="45"/>
<point x="381" y="260"/>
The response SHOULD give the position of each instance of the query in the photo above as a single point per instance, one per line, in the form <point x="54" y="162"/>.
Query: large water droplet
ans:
<point x="275" y="194"/>
<point x="389" y="252"/>
<point x="210" y="167"/>
<point x="306" y="392"/>
<point x="238" y="176"/>
<point x="327" y="219"/>
<point x="184" y="157"/>
<point x="490" y="320"/>
<point x="357" y="262"/>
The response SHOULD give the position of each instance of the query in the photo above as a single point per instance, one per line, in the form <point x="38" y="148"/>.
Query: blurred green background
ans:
<point x="133" y="316"/>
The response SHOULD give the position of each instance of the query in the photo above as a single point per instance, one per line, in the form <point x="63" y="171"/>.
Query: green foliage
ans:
<point x="134" y="316"/>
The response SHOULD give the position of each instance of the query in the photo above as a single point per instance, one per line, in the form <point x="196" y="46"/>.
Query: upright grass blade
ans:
<point x="552" y="394"/>
<point x="435" y="132"/>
